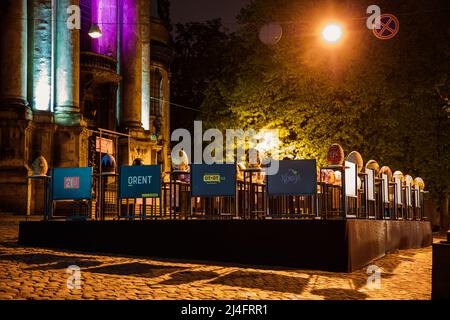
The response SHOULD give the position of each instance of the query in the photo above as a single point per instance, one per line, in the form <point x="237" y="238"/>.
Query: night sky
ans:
<point x="201" y="10"/>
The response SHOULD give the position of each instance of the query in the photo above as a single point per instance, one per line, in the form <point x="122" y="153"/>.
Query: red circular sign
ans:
<point x="389" y="27"/>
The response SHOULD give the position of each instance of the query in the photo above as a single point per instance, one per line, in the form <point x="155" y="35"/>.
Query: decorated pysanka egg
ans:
<point x="386" y="170"/>
<point x="180" y="161"/>
<point x="419" y="182"/>
<point x="372" y="164"/>
<point x="335" y="155"/>
<point x="355" y="157"/>
<point x="399" y="175"/>
<point x="108" y="164"/>
<point x="40" y="166"/>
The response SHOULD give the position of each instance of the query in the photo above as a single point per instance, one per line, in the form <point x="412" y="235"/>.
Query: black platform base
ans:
<point x="332" y="245"/>
<point x="441" y="271"/>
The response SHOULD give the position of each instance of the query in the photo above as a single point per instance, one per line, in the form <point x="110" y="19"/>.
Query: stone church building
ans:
<point x="73" y="94"/>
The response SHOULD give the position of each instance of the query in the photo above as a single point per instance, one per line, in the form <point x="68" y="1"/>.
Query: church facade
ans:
<point x="81" y="79"/>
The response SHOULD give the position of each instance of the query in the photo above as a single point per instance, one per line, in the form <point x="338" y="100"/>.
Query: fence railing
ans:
<point x="251" y="198"/>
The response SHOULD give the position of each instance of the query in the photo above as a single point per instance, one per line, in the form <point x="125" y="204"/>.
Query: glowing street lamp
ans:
<point x="332" y="33"/>
<point x="94" y="31"/>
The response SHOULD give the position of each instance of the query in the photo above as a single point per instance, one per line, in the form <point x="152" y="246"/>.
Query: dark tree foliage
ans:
<point x="164" y="13"/>
<point x="199" y="59"/>
<point x="388" y="99"/>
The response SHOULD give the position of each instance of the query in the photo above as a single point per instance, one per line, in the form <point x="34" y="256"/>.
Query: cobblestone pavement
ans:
<point x="33" y="273"/>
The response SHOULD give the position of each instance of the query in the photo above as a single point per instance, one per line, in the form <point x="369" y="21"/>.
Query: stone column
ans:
<point x="15" y="115"/>
<point x="41" y="54"/>
<point x="146" y="62"/>
<point x="67" y="73"/>
<point x="166" y="121"/>
<point x="71" y="136"/>
<point x="104" y="13"/>
<point x="13" y="60"/>
<point x="131" y="65"/>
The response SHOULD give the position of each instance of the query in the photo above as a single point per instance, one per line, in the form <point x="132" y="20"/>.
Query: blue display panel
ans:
<point x="72" y="183"/>
<point x="140" y="182"/>
<point x="210" y="180"/>
<point x="294" y="178"/>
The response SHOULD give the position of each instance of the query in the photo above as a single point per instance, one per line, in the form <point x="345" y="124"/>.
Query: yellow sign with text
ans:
<point x="211" y="178"/>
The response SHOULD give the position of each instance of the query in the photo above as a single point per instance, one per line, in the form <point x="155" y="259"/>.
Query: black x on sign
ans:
<point x="389" y="27"/>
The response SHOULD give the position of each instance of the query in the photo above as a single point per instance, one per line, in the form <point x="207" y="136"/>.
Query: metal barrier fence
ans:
<point x="251" y="200"/>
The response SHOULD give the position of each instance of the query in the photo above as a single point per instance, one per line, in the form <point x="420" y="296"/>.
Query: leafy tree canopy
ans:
<point x="198" y="59"/>
<point x="388" y="99"/>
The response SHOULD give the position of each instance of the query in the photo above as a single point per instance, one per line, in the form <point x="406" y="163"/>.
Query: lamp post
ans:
<point x="94" y="31"/>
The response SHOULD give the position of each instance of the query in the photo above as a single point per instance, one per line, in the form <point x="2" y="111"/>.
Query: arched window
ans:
<point x="156" y="92"/>
<point x="161" y="94"/>
<point x="155" y="8"/>
<point x="86" y="22"/>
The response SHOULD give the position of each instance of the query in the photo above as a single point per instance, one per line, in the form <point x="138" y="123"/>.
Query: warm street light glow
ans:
<point x="332" y="33"/>
<point x="268" y="142"/>
<point x="95" y="32"/>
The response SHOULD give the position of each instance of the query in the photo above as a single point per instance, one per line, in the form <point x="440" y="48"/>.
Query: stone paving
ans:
<point x="34" y="273"/>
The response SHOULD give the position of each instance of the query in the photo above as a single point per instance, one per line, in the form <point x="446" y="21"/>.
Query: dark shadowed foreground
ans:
<point x="31" y="273"/>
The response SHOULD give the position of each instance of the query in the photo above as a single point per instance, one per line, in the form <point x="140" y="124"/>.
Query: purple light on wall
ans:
<point x="131" y="63"/>
<point x="130" y="21"/>
<point x="130" y="43"/>
<point x="104" y="13"/>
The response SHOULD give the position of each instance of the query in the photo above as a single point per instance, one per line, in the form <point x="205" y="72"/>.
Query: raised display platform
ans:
<point x="331" y="245"/>
<point x="440" y="274"/>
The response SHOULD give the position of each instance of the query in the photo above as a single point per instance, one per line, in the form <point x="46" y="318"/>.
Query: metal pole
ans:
<point x="236" y="195"/>
<point x="190" y="195"/>
<point x="28" y="202"/>
<point x="343" y="191"/>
